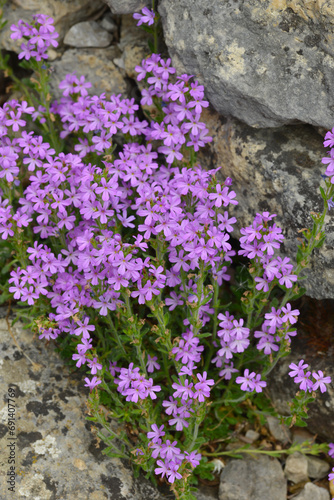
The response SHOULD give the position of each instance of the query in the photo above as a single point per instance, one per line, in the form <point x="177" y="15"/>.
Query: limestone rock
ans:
<point x="317" y="468"/>
<point x="133" y="44"/>
<point x="268" y="64"/>
<point x="276" y="170"/>
<point x="300" y="435"/>
<point x="65" y="13"/>
<point x="56" y="451"/>
<point x="96" y="65"/>
<point x="296" y="468"/>
<point x="127" y="6"/>
<point x="313" y="492"/>
<point x="108" y="23"/>
<point x="279" y="431"/>
<point x="87" y="34"/>
<point x="253" y="479"/>
<point x="252" y="436"/>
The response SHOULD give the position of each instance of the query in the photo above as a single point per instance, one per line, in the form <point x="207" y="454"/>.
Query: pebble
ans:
<point x="252" y="436"/>
<point x="108" y="23"/>
<point x="253" y="479"/>
<point x="88" y="34"/>
<point x="296" y="468"/>
<point x="279" y="431"/>
<point x="316" y="467"/>
<point x="313" y="492"/>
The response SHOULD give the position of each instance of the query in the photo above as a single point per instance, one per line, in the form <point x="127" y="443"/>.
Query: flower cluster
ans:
<point x="259" y="243"/>
<point x="127" y="221"/>
<point x="302" y="378"/>
<point x="276" y="327"/>
<point x="135" y="386"/>
<point x="251" y="381"/>
<point x="39" y="37"/>
<point x="171" y="458"/>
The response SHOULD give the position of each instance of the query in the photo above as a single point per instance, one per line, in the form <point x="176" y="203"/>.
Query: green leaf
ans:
<point x="204" y="335"/>
<point x="322" y="192"/>
<point x="320" y="242"/>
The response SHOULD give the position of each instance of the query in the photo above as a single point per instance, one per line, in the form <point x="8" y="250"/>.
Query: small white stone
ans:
<point x="47" y="445"/>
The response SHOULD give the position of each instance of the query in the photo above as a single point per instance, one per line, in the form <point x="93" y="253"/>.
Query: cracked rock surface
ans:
<point x="57" y="455"/>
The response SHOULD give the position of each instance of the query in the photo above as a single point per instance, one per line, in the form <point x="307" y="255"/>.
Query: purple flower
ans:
<point x="169" y="450"/>
<point x="173" y="474"/>
<point x="331" y="475"/>
<point x="152" y="364"/>
<point x="290" y="315"/>
<point x="331" y="449"/>
<point x="179" y="421"/>
<point x="227" y="371"/>
<point x="92" y="383"/>
<point x="94" y="366"/>
<point x="193" y="458"/>
<point x="297" y="370"/>
<point x="247" y="381"/>
<point x="304" y="380"/>
<point x="259" y="384"/>
<point x="321" y="381"/>
<point x="183" y="390"/>
<point x="156" y="433"/>
<point x="202" y="387"/>
<point x="162" y="469"/>
<point x="146" y="17"/>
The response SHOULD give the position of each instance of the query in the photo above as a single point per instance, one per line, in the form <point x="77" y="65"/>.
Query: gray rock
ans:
<point x="207" y="493"/>
<point x="300" y="435"/>
<point x="276" y="170"/>
<point x="257" y="62"/>
<point x="252" y="436"/>
<point x="127" y="6"/>
<point x="279" y="431"/>
<point x="96" y="65"/>
<point x="296" y="468"/>
<point x="88" y="34"/>
<point x="313" y="492"/>
<point x="57" y="453"/>
<point x="253" y="479"/>
<point x="316" y="468"/>
<point x="108" y="23"/>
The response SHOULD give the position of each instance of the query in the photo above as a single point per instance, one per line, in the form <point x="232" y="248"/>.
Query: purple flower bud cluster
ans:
<point x="258" y="243"/>
<point x="276" y="327"/>
<point x="183" y="103"/>
<point x="329" y="161"/>
<point x="40" y="36"/>
<point x="304" y="380"/>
